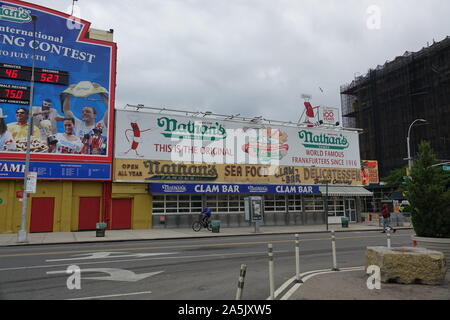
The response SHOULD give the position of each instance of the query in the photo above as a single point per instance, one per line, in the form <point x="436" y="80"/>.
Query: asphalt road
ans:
<point x="187" y="269"/>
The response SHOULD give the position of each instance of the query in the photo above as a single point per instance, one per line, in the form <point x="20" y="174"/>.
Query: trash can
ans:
<point x="215" y="225"/>
<point x="100" y="229"/>
<point x="344" y="221"/>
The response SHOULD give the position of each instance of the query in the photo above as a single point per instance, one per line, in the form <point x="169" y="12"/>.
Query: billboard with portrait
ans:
<point x="74" y="79"/>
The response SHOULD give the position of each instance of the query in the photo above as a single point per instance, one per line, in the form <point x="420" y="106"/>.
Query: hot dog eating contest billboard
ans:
<point x="156" y="146"/>
<point x="74" y="82"/>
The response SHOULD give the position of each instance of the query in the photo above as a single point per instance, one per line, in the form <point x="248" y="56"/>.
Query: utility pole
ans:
<point x="22" y="236"/>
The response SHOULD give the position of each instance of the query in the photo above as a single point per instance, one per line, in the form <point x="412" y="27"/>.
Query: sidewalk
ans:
<point x="352" y="285"/>
<point x="158" y="234"/>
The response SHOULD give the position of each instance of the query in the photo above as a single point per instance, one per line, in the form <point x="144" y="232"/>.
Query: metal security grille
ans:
<point x="314" y="203"/>
<point x="295" y="203"/>
<point x="275" y="203"/>
<point x="225" y="203"/>
<point x="336" y="207"/>
<point x="177" y="204"/>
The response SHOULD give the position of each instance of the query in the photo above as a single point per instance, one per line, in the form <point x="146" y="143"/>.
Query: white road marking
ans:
<point x="113" y="295"/>
<point x="105" y="255"/>
<point x="136" y="260"/>
<point x="113" y="274"/>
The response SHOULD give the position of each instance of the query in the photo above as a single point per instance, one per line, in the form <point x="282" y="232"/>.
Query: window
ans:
<point x="336" y="207"/>
<point x="192" y="204"/>
<point x="275" y="203"/>
<point x="231" y="203"/>
<point x="176" y="204"/>
<point x="314" y="203"/>
<point x="295" y="203"/>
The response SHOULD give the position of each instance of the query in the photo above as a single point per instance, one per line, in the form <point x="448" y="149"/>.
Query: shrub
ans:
<point x="429" y="195"/>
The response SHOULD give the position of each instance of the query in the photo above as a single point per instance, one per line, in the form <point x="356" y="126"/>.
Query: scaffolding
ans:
<point x="390" y="97"/>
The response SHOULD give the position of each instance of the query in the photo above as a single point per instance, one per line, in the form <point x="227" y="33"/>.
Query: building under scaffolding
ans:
<point x="389" y="98"/>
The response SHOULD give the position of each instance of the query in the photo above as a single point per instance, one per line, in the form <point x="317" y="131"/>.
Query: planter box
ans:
<point x="408" y="265"/>
<point x="436" y="244"/>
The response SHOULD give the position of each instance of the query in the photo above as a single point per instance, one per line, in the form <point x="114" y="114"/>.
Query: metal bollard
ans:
<point x="297" y="259"/>
<point x="333" y="247"/>
<point x="388" y="238"/>
<point x="271" y="273"/>
<point x="241" y="282"/>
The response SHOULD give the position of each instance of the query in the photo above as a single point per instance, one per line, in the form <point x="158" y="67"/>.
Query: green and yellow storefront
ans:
<point x="169" y="198"/>
<point x="57" y="206"/>
<point x="74" y="68"/>
<point x="64" y="206"/>
<point x="171" y="163"/>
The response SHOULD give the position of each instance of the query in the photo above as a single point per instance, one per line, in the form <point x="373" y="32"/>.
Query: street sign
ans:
<point x="446" y="168"/>
<point x="31" y="182"/>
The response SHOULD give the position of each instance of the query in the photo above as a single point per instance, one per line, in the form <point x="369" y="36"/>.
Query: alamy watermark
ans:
<point x="373" y="21"/>
<point x="74" y="280"/>
<point x="374" y="280"/>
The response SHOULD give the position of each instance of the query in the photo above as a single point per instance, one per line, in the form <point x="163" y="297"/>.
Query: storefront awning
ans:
<point x="335" y="191"/>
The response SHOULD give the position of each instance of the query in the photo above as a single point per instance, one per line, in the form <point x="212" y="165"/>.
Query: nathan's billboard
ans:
<point x="149" y="171"/>
<point x="74" y="81"/>
<point x="153" y="136"/>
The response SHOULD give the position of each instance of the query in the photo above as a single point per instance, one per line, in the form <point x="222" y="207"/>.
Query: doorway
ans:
<point x="121" y="214"/>
<point x="42" y="213"/>
<point x="350" y="209"/>
<point x="89" y="213"/>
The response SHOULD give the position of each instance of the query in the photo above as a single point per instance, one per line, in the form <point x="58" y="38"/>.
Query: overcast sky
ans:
<point x="254" y="57"/>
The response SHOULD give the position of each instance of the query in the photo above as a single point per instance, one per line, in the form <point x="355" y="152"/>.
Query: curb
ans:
<point x="304" y="277"/>
<point x="194" y="237"/>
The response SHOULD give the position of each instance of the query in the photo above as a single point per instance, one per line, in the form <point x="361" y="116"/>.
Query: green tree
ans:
<point x="429" y="195"/>
<point x="395" y="177"/>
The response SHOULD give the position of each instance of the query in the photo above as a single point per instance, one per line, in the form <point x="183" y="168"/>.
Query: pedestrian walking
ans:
<point x="386" y="219"/>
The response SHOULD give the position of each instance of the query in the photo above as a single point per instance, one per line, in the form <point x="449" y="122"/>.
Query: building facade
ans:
<point x="171" y="164"/>
<point x="388" y="99"/>
<point x="73" y="94"/>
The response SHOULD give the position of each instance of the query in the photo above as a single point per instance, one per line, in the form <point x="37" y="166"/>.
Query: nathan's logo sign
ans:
<point x="19" y="15"/>
<point x="191" y="130"/>
<point x="180" y="172"/>
<point x="323" y="140"/>
<point x="174" y="188"/>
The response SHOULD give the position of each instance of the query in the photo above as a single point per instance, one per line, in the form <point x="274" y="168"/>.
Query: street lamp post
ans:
<point x="22" y="235"/>
<point x="410" y="161"/>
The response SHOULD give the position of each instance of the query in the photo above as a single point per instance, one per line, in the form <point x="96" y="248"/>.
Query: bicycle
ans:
<point x="200" y="223"/>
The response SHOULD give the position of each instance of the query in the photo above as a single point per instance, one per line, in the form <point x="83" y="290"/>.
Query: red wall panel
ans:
<point x="121" y="214"/>
<point x="42" y="213"/>
<point x="89" y="213"/>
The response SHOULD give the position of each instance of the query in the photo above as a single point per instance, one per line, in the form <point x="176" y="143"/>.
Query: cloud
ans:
<point x="254" y="57"/>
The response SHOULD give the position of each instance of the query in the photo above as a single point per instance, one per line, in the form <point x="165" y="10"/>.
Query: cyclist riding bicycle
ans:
<point x="206" y="214"/>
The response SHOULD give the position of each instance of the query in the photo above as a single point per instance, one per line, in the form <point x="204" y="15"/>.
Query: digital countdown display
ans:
<point x="14" y="94"/>
<point x="23" y="73"/>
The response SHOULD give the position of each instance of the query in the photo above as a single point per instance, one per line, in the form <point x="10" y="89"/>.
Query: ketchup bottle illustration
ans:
<point x="310" y="113"/>
<point x="135" y="137"/>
